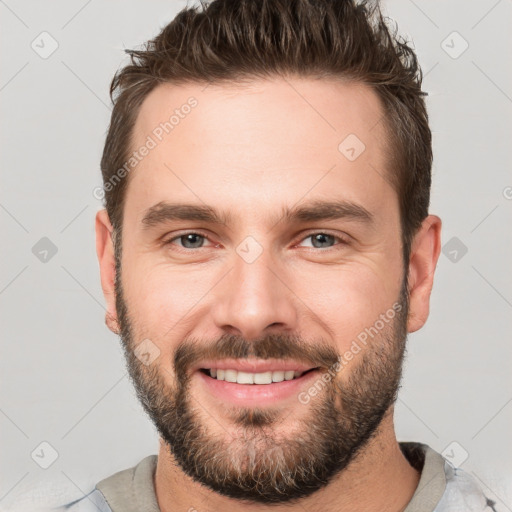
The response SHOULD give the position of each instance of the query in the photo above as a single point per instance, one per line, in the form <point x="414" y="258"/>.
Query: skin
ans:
<point x="251" y="151"/>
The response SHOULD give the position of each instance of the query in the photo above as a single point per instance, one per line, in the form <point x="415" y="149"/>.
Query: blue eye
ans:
<point x="193" y="240"/>
<point x="322" y="240"/>
<point x="189" y="240"/>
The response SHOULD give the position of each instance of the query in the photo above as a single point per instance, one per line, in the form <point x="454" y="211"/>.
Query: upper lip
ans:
<point x="254" y="366"/>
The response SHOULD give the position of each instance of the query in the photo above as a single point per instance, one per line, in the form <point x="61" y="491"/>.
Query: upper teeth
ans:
<point x="253" y="378"/>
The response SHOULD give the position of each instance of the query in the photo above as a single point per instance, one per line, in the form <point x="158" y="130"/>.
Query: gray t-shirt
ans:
<point x="442" y="488"/>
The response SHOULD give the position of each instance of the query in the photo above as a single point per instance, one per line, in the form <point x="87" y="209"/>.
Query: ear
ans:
<point x="425" y="249"/>
<point x="105" y="252"/>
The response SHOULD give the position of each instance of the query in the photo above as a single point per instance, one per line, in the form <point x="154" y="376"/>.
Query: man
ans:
<point x="265" y="249"/>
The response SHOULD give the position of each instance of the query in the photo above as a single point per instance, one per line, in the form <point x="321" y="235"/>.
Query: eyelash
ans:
<point x="342" y="240"/>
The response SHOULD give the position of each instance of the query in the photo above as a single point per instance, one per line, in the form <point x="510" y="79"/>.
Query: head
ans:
<point x="267" y="179"/>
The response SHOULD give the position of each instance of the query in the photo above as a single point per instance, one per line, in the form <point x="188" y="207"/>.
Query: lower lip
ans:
<point x="256" y="394"/>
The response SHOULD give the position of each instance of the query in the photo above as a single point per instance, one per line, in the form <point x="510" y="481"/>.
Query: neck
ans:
<point x="379" y="479"/>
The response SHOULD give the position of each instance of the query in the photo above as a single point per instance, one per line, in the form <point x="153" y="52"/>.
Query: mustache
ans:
<point x="272" y="346"/>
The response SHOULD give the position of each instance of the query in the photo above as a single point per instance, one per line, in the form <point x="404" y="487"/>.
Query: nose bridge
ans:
<point x="254" y="299"/>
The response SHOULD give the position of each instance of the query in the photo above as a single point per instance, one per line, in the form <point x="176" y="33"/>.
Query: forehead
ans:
<point x="265" y="142"/>
<point x="333" y="108"/>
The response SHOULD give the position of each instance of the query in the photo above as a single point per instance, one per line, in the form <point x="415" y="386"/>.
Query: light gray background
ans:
<point x="63" y="375"/>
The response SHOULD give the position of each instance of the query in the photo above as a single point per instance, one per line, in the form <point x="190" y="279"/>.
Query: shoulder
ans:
<point x="443" y="487"/>
<point x="118" y="492"/>
<point x="463" y="493"/>
<point x="91" y="502"/>
<point x="128" y="489"/>
<point x="63" y="499"/>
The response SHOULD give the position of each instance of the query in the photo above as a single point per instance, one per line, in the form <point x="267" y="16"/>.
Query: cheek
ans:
<point x="162" y="299"/>
<point x="348" y="299"/>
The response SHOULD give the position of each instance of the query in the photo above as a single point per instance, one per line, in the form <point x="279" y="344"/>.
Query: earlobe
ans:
<point x="111" y="323"/>
<point x="106" y="260"/>
<point x="425" y="250"/>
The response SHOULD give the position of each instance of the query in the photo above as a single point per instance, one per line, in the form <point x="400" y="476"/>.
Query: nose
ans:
<point x="254" y="300"/>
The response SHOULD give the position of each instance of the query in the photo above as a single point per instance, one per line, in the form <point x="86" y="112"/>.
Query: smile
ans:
<point x="252" y="389"/>
<point x="240" y="377"/>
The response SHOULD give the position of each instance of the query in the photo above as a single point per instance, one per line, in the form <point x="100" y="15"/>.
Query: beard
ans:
<point x="250" y="460"/>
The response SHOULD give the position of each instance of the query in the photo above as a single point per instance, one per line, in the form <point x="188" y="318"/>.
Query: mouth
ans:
<point x="251" y="378"/>
<point x="260" y="388"/>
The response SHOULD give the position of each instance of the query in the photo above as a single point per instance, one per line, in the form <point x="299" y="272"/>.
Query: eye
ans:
<point x="194" y="240"/>
<point x="323" y="240"/>
<point x="190" y="240"/>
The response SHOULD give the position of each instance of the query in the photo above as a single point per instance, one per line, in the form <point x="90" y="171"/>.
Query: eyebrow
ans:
<point x="317" y="210"/>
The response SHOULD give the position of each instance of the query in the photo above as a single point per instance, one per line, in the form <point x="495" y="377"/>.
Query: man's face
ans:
<point x="292" y="291"/>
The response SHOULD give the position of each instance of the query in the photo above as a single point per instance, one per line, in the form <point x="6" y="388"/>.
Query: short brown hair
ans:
<point x="237" y="40"/>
